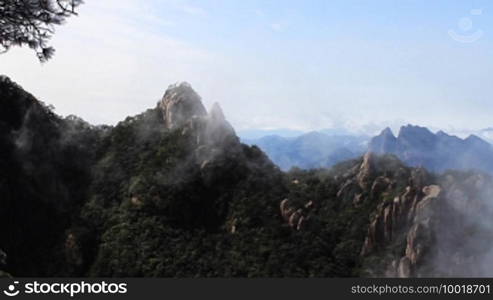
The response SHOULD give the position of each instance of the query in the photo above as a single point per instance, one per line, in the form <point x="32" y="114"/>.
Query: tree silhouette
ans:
<point x="32" y="23"/>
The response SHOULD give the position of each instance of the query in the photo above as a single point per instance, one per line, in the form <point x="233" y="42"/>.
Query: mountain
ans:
<point x="417" y="146"/>
<point x="172" y="192"/>
<point x="486" y="134"/>
<point x="310" y="150"/>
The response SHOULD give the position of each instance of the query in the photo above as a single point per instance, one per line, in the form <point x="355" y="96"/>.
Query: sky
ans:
<point x="300" y="65"/>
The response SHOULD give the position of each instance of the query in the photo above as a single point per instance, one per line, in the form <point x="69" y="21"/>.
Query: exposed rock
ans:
<point x="428" y="222"/>
<point x="383" y="143"/>
<point x="295" y="217"/>
<point x="232" y="225"/>
<point x="285" y="209"/>
<point x="179" y="104"/>
<point x="380" y="184"/>
<point x="404" y="268"/>
<point x="410" y="210"/>
<point x="345" y="188"/>
<point x="358" y="199"/>
<point x="213" y="138"/>
<point x="366" y="171"/>
<point x="136" y="201"/>
<point x="417" y="241"/>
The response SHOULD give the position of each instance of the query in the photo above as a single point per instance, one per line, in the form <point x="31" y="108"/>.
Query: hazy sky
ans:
<point x="274" y="64"/>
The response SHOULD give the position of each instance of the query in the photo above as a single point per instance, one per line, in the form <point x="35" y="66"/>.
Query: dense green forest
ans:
<point x="173" y="193"/>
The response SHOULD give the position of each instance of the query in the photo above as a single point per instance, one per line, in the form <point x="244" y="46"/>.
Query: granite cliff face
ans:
<point x="212" y="135"/>
<point x="180" y="104"/>
<point x="429" y="227"/>
<point x="420" y="224"/>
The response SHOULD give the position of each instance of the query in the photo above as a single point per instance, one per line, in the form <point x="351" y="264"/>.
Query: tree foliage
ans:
<point x="32" y="23"/>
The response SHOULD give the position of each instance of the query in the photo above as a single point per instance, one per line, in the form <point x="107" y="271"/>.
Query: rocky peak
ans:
<point x="474" y="140"/>
<point x="385" y="142"/>
<point x="387" y="132"/>
<point x="216" y="112"/>
<point x="210" y="134"/>
<point x="366" y="171"/>
<point x="179" y="104"/>
<point x="443" y="136"/>
<point x="217" y="131"/>
<point x="415" y="134"/>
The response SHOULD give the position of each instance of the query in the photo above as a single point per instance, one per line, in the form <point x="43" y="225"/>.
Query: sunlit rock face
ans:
<point x="212" y="136"/>
<point x="181" y="107"/>
<point x="180" y="104"/>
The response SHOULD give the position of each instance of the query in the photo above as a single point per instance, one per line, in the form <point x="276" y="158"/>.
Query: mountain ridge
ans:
<point x="438" y="152"/>
<point x="172" y="192"/>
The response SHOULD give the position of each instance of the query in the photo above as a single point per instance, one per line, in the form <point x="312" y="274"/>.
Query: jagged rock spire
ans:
<point x="179" y="104"/>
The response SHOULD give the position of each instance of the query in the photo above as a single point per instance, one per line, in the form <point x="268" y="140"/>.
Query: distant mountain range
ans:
<point x="414" y="145"/>
<point x="172" y="192"/>
<point x="418" y="146"/>
<point x="311" y="150"/>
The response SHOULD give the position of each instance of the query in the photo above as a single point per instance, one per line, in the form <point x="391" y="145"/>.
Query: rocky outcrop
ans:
<point x="366" y="171"/>
<point x="212" y="135"/>
<point x="180" y="104"/>
<point x="418" y="233"/>
<point x="410" y="215"/>
<point x="181" y="107"/>
<point x="178" y="176"/>
<point x="295" y="217"/>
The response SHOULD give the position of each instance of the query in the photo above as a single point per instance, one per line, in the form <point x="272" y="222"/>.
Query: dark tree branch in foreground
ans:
<point x="32" y="22"/>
